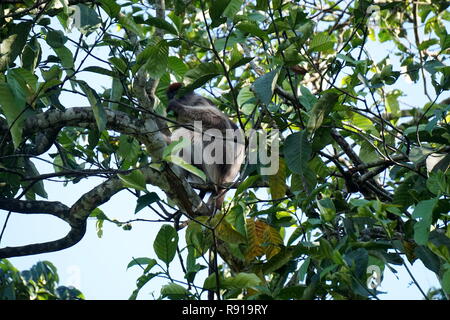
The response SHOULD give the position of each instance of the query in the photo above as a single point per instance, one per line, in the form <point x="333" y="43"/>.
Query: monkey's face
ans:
<point x="173" y="89"/>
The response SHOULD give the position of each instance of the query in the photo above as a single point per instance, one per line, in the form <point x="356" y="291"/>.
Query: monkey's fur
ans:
<point x="192" y="107"/>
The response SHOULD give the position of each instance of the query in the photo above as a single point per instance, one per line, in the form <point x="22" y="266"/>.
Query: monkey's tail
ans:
<point x="219" y="198"/>
<point x="213" y="269"/>
<point x="215" y="201"/>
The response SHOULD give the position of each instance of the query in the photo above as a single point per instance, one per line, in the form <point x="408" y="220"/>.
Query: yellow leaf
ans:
<point x="254" y="239"/>
<point x="277" y="182"/>
<point x="262" y="239"/>
<point x="273" y="241"/>
<point x="225" y="231"/>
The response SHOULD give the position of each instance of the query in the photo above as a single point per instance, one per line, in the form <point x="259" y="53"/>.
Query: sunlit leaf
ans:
<point x="277" y="182"/>
<point x="12" y="45"/>
<point x="165" y="244"/>
<point x="264" y="86"/>
<point x="134" y="179"/>
<point x="97" y="107"/>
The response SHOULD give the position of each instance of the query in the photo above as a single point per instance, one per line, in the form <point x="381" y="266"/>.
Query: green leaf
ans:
<point x="264" y="86"/>
<point x="135" y="180"/>
<point x="165" y="244"/>
<point x="162" y="24"/>
<point x="428" y="258"/>
<point x="321" y="42"/>
<point x="88" y="20"/>
<point x="111" y="7"/>
<point x="277" y="182"/>
<point x="360" y="122"/>
<point x="174" y="291"/>
<point x="11" y="46"/>
<point x="392" y="105"/>
<point x="31" y="172"/>
<point x="129" y="24"/>
<point x="31" y="55"/>
<point x="402" y="195"/>
<point x="177" y="65"/>
<point x="436" y="182"/>
<point x="146" y="200"/>
<point x="99" y="214"/>
<point x="238" y="60"/>
<point x="348" y="59"/>
<point x="413" y="71"/>
<point x="119" y="64"/>
<point x="423" y="212"/>
<point x="445" y="282"/>
<point x="241" y="62"/>
<point x="247" y="183"/>
<point x="14" y="110"/>
<point x="128" y="151"/>
<point x="54" y="72"/>
<point x="253" y="29"/>
<point x="304" y="269"/>
<point x="101" y="217"/>
<point x="192" y="268"/>
<point x="357" y="260"/>
<point x="321" y="109"/>
<point x="116" y="93"/>
<point x="175" y="146"/>
<point x="297" y="152"/>
<point x="156" y="57"/>
<point x="66" y="57"/>
<point x="367" y="153"/>
<point x="198" y="237"/>
<point x="141" y="281"/>
<point x="279" y="260"/>
<point x="201" y="74"/>
<point x="141" y="262"/>
<point x="305" y="31"/>
<point x="246" y="100"/>
<point x="327" y="209"/>
<point x="186" y="166"/>
<point x="433" y="66"/>
<point x="56" y="39"/>
<point x="241" y="281"/>
<point x="305" y="182"/>
<point x="225" y="231"/>
<point x="216" y="10"/>
<point x="23" y="83"/>
<point x="99" y="70"/>
<point x="307" y="99"/>
<point x="310" y="291"/>
<point x="97" y="107"/>
<point x="388" y="75"/>
<point x="232" y="8"/>
<point x="236" y="218"/>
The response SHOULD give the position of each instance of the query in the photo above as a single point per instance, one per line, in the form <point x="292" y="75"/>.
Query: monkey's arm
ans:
<point x="208" y="115"/>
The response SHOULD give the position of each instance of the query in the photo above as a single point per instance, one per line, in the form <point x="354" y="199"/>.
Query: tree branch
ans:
<point x="145" y="131"/>
<point x="55" y="208"/>
<point x="75" y="234"/>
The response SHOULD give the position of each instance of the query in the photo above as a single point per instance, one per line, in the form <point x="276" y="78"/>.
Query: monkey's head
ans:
<point x="173" y="89"/>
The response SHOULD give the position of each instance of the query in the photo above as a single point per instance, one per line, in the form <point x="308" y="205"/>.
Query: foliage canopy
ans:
<point x="363" y="182"/>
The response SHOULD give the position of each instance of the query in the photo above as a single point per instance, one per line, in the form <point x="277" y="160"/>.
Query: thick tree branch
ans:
<point x="145" y="131"/>
<point x="55" y="208"/>
<point x="75" y="234"/>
